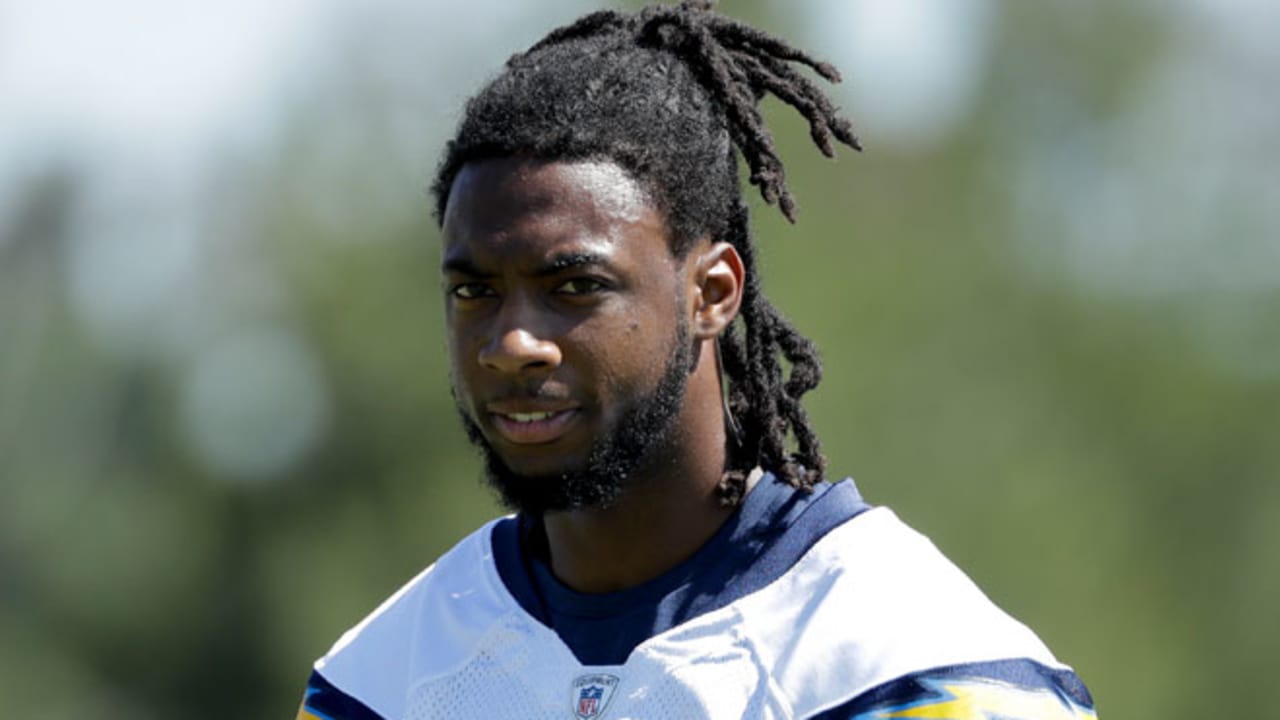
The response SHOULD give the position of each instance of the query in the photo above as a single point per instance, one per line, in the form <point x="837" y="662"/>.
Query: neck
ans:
<point x="669" y="509"/>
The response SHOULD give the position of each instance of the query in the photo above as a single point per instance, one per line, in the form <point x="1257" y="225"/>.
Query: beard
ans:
<point x="636" y="437"/>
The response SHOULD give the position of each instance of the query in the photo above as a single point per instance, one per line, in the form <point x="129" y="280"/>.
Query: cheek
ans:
<point x="463" y="332"/>
<point x="624" y="356"/>
<point x="458" y="350"/>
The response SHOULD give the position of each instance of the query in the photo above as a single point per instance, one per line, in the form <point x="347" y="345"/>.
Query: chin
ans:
<point x="539" y="473"/>
<point x="544" y="461"/>
<point x="539" y="490"/>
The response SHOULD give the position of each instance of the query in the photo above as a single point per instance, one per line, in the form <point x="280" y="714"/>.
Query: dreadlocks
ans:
<point x="668" y="93"/>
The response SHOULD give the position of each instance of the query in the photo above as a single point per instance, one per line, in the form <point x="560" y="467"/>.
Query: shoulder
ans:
<point x="878" y="600"/>
<point x="424" y="629"/>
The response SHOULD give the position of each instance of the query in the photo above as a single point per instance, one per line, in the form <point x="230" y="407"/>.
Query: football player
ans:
<point x="675" y="549"/>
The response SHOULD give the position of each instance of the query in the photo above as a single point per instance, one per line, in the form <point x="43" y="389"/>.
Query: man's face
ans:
<point x="566" y="321"/>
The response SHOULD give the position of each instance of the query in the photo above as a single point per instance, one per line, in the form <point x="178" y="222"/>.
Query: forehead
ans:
<point x="518" y="205"/>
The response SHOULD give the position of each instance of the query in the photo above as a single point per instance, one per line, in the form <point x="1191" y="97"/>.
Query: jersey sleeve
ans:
<point x="325" y="701"/>
<point x="1017" y="689"/>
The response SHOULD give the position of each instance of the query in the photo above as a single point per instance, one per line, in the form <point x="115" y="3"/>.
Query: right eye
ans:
<point x="470" y="291"/>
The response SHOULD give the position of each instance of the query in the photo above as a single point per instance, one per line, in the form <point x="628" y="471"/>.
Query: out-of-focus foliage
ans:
<point x="1049" y="337"/>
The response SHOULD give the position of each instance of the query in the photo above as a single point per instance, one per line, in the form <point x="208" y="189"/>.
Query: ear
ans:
<point x="718" y="278"/>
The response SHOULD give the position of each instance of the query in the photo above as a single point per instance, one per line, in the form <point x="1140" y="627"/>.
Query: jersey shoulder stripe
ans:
<point x="1018" y="689"/>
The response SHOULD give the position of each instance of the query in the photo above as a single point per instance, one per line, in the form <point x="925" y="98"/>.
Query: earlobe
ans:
<point x="720" y="278"/>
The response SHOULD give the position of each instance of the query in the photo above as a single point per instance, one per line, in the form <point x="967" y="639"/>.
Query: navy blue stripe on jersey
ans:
<point x="775" y="526"/>
<point x="1016" y="689"/>
<point x="325" y="701"/>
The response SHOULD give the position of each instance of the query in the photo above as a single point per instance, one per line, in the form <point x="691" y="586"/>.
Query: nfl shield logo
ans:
<point x="591" y="695"/>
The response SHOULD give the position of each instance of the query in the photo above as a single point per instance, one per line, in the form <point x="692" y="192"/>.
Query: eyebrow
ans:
<point x="568" y="261"/>
<point x="463" y="266"/>
<point x="554" y="265"/>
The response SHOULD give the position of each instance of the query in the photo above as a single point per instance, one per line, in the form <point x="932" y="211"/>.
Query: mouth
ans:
<point x="533" y="427"/>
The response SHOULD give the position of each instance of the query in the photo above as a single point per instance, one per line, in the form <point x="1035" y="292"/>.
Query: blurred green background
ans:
<point x="1046" y="298"/>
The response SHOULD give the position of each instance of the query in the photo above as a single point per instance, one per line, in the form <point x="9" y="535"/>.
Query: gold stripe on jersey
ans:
<point x="978" y="700"/>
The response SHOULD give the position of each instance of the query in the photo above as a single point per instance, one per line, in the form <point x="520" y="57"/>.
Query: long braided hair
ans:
<point x="668" y="93"/>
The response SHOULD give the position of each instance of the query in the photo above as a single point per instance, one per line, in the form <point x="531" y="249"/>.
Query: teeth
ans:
<point x="530" y="417"/>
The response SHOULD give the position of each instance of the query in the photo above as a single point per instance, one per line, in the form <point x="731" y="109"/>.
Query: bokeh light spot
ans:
<point x="254" y="405"/>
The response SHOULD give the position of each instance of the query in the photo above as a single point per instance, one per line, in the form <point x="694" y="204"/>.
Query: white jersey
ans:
<point x="806" y="606"/>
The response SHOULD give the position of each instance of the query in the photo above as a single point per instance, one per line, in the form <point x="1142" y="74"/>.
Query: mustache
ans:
<point x="529" y="391"/>
<point x="536" y="391"/>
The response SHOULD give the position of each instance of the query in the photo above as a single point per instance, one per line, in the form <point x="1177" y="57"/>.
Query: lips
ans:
<point x="531" y="425"/>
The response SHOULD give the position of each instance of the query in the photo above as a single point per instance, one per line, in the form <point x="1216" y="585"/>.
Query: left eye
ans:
<point x="580" y="286"/>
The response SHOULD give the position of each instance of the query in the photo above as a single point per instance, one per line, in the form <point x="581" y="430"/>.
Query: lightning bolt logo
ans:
<point x="977" y="700"/>
<point x="306" y="713"/>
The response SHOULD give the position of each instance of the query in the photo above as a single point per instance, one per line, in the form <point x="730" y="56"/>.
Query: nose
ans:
<point x="516" y="349"/>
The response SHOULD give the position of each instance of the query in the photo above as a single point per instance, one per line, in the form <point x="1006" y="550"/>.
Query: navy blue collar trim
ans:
<point x="773" y="529"/>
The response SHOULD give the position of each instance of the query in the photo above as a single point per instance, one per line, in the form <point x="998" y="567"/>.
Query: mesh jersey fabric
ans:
<point x="860" y="617"/>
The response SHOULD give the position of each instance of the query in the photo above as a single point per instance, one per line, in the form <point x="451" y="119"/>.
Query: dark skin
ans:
<point x="562" y="300"/>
